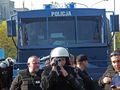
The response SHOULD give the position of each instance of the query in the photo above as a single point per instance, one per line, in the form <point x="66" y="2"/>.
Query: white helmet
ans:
<point x="4" y="64"/>
<point x="59" y="52"/>
<point x="7" y="62"/>
<point x="10" y="60"/>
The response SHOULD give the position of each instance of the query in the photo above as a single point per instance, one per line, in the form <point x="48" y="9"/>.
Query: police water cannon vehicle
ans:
<point x="80" y="30"/>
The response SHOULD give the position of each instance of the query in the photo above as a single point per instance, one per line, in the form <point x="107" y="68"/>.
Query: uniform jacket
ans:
<point x="87" y="80"/>
<point x="6" y="77"/>
<point x="25" y="81"/>
<point x="110" y="72"/>
<point x="52" y="81"/>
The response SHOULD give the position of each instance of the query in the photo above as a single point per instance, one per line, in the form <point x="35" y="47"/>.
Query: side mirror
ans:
<point x="11" y="28"/>
<point x="114" y="21"/>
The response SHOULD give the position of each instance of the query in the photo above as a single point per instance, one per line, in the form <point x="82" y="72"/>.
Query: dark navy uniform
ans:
<point x="6" y="77"/>
<point x="87" y="80"/>
<point x="110" y="72"/>
<point x="25" y="81"/>
<point x="52" y="81"/>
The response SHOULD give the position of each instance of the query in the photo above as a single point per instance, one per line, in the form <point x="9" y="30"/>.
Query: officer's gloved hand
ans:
<point x="64" y="72"/>
<point x="53" y="63"/>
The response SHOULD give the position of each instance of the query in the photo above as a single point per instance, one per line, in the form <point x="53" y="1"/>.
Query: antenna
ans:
<point x="23" y="5"/>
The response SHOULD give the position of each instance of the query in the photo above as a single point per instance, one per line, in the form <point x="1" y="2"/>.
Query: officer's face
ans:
<point x="86" y="63"/>
<point x="116" y="62"/>
<point x="34" y="65"/>
<point x="82" y="64"/>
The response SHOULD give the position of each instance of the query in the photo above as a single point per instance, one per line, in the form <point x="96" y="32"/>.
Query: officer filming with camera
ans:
<point x="59" y="75"/>
<point x="58" y="66"/>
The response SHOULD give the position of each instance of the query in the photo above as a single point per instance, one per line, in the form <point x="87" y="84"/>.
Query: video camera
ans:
<point x="56" y="61"/>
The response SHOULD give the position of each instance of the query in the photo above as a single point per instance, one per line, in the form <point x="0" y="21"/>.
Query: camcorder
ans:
<point x="57" y="61"/>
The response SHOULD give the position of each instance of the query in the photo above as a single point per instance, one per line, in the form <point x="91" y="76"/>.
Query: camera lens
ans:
<point x="57" y="60"/>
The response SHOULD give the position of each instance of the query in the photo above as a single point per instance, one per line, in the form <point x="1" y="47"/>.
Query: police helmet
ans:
<point x="7" y="62"/>
<point x="59" y="52"/>
<point x="10" y="61"/>
<point x="4" y="64"/>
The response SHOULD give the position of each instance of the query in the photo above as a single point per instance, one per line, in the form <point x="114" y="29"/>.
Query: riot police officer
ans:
<point x="81" y="66"/>
<point x="60" y="75"/>
<point x="30" y="78"/>
<point x="6" y="73"/>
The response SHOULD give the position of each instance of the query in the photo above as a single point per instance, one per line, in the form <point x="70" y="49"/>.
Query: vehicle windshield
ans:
<point x="61" y="30"/>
